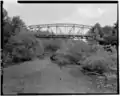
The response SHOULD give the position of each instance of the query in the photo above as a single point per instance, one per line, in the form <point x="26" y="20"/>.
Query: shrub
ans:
<point x="78" y="51"/>
<point x="24" y="47"/>
<point x="114" y="50"/>
<point x="51" y="45"/>
<point x="6" y="58"/>
<point x="114" y="57"/>
<point x="60" y="59"/>
<point x="112" y="75"/>
<point x="42" y="33"/>
<point x="21" y="54"/>
<point x="103" y="63"/>
<point x="97" y="63"/>
<point x="65" y="56"/>
<point x="80" y="46"/>
<point x="96" y="48"/>
<point x="113" y="66"/>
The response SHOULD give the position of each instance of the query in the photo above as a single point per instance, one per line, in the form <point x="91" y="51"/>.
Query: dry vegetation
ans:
<point x="21" y="46"/>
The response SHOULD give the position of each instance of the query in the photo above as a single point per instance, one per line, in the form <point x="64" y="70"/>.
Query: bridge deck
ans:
<point x="64" y="36"/>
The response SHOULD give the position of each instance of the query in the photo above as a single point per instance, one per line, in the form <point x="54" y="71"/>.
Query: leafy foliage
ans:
<point x="93" y="59"/>
<point x="95" y="63"/>
<point x="78" y="51"/>
<point x="107" y="30"/>
<point x="19" y="43"/>
<point x="40" y="33"/>
<point x="51" y="45"/>
<point x="105" y="35"/>
<point x="22" y="45"/>
<point x="75" y="52"/>
<point x="96" y="30"/>
<point x="11" y="26"/>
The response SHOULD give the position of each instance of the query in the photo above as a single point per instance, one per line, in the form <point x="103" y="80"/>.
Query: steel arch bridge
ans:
<point x="62" y="30"/>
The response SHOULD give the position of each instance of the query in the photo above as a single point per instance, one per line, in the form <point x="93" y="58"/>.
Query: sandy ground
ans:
<point x="42" y="76"/>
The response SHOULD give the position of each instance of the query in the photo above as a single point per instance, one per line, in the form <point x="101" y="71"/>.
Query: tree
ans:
<point x="5" y="14"/>
<point x="110" y="35"/>
<point x="105" y="35"/>
<point x="7" y="28"/>
<point x="115" y="29"/>
<point x="107" y="30"/>
<point x="17" y="24"/>
<point x="97" y="30"/>
<point x="11" y="26"/>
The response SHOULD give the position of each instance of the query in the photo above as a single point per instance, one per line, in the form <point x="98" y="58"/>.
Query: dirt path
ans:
<point x="42" y="76"/>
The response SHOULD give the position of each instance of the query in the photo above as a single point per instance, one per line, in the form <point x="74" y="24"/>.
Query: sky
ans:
<point x="87" y="14"/>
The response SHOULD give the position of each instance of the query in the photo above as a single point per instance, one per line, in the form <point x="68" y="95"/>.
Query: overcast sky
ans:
<point x="88" y="14"/>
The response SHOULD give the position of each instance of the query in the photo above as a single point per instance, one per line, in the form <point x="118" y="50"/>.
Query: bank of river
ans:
<point x="42" y="76"/>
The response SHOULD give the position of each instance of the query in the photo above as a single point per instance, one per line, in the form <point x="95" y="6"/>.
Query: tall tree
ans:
<point x="107" y="30"/>
<point x="6" y="26"/>
<point x="96" y="30"/>
<point x="11" y="26"/>
<point x="115" y="29"/>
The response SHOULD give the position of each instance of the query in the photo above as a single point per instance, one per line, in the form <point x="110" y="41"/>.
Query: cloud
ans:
<point x="100" y="11"/>
<point x="8" y="3"/>
<point x="90" y="12"/>
<point x="86" y="14"/>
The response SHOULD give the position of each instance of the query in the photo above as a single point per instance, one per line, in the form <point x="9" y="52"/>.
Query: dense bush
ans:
<point x="101" y="54"/>
<point x="74" y="51"/>
<point x="79" y="51"/>
<point x="79" y="46"/>
<point x="104" y="64"/>
<point x="106" y="35"/>
<point x="11" y="27"/>
<point x="60" y="59"/>
<point x="97" y="64"/>
<point x="40" y="33"/>
<point x="94" y="59"/>
<point x="51" y="45"/>
<point x="19" y="43"/>
<point x="24" y="47"/>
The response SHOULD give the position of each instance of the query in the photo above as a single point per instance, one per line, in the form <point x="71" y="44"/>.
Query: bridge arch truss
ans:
<point x="61" y="28"/>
